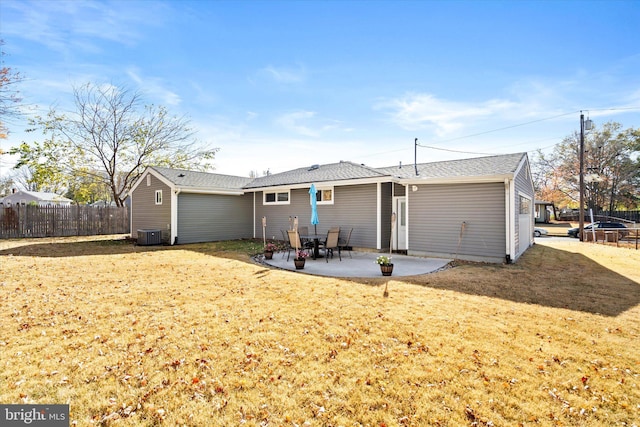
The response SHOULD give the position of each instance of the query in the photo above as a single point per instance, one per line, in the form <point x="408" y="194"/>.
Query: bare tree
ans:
<point x="611" y="169"/>
<point x="9" y="95"/>
<point x="111" y="137"/>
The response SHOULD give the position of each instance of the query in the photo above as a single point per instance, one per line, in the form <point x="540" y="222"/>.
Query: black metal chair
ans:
<point x="344" y="243"/>
<point x="331" y="243"/>
<point x="285" y="242"/>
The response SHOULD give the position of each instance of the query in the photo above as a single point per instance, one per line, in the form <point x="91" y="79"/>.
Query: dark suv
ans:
<point x="573" y="232"/>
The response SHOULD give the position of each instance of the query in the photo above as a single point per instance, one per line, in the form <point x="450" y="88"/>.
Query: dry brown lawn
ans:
<point x="199" y="335"/>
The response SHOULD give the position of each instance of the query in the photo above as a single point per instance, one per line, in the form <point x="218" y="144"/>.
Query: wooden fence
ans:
<point x="53" y="221"/>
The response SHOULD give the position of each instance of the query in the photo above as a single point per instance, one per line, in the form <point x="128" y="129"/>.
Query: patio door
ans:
<point x="400" y="233"/>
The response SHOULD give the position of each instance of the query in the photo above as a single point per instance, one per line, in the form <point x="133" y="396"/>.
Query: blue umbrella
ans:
<point x="314" y="207"/>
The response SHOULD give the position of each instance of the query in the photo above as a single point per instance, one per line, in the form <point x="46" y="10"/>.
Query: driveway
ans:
<point x="362" y="264"/>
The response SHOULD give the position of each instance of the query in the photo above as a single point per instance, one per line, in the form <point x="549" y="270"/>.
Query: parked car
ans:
<point x="537" y="232"/>
<point x="573" y="232"/>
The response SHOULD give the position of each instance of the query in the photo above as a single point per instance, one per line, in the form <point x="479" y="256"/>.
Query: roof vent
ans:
<point x="181" y="175"/>
<point x="314" y="167"/>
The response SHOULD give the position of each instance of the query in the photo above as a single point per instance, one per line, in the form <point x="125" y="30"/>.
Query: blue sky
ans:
<point x="284" y="84"/>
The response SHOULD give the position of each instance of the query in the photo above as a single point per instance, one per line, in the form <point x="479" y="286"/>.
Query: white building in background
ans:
<point x="41" y="198"/>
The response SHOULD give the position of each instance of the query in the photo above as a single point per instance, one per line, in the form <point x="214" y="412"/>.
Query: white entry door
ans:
<point x="400" y="238"/>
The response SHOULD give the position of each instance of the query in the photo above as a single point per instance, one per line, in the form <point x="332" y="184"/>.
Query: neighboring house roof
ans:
<point x="490" y="166"/>
<point x="185" y="179"/>
<point x="37" y="195"/>
<point x="317" y="173"/>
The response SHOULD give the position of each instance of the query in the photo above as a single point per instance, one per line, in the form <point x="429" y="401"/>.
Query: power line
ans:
<point x="454" y="151"/>
<point x="509" y="127"/>
<point x="515" y="126"/>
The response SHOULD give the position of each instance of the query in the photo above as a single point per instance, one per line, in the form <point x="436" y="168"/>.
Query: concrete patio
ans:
<point x="362" y="264"/>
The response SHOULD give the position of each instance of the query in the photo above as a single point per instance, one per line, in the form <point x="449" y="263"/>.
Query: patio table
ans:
<point x="316" y="242"/>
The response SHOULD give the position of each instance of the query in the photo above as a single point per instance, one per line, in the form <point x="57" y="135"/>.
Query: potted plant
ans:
<point x="300" y="259"/>
<point x="386" y="267"/>
<point x="269" y="249"/>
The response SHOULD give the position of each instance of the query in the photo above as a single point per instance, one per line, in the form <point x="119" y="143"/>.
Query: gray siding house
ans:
<point x="478" y="209"/>
<point x="190" y="207"/>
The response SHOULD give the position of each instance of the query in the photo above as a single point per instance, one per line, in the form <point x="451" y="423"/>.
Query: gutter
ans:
<point x="457" y="180"/>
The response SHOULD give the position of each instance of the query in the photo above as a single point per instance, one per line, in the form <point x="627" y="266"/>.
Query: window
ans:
<point x="158" y="197"/>
<point x="525" y="205"/>
<point x="279" y="197"/>
<point x="324" y="196"/>
<point x="148" y="180"/>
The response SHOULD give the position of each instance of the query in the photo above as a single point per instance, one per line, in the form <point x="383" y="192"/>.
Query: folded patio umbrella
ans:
<point x="314" y="208"/>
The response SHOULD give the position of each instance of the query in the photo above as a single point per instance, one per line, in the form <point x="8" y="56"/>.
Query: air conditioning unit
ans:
<point x="149" y="237"/>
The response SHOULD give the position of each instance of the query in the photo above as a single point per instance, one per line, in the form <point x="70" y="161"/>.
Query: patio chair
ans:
<point x="303" y="231"/>
<point x="331" y="243"/>
<point x="294" y="241"/>
<point x="344" y="243"/>
<point x="285" y="242"/>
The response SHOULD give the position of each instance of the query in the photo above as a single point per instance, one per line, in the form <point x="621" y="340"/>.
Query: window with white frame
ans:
<point x="276" y="198"/>
<point x="324" y="196"/>
<point x="158" y="197"/>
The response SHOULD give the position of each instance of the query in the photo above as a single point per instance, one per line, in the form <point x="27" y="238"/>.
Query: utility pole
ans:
<point x="581" y="157"/>
<point x="584" y="125"/>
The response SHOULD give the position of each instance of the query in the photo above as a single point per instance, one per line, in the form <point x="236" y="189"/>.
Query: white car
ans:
<point x="537" y="232"/>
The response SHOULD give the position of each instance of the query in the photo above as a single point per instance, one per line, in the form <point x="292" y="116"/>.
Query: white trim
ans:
<point x="510" y="213"/>
<point x="210" y="191"/>
<point x="457" y="180"/>
<point x="378" y="216"/>
<point x="324" y="184"/>
<point x="406" y="195"/>
<point x="174" y="216"/>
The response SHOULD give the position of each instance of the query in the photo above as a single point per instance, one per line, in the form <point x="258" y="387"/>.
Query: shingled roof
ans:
<point x="464" y="168"/>
<point x="318" y="173"/>
<point x="345" y="171"/>
<point x="183" y="178"/>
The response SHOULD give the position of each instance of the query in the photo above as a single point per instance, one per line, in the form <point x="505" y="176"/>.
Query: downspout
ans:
<point x="407" y="221"/>
<point x="254" y="214"/>
<point x="173" y="238"/>
<point x="379" y="216"/>
<point x="393" y="230"/>
<point x="131" y="216"/>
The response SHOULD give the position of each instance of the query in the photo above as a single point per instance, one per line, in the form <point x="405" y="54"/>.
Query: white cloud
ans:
<point x="425" y="111"/>
<point x="68" y="26"/>
<point x="280" y="75"/>
<point x="155" y="88"/>
<point x="293" y="123"/>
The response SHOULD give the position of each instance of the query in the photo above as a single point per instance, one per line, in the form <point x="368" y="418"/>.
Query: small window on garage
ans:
<point x="525" y="205"/>
<point x="158" y="197"/>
